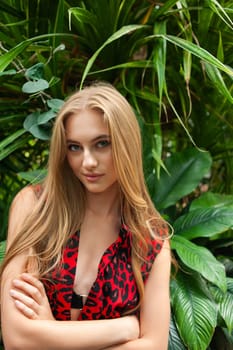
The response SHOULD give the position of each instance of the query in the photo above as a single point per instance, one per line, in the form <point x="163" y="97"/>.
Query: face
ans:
<point x="89" y="151"/>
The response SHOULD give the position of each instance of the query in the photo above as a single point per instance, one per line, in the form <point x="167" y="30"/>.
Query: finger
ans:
<point x="26" y="311"/>
<point x="26" y="300"/>
<point x="34" y="281"/>
<point x="28" y="289"/>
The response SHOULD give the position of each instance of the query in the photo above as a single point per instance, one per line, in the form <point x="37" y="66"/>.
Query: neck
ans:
<point x="105" y="204"/>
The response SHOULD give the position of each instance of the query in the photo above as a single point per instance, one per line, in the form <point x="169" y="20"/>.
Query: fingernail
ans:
<point x="16" y="283"/>
<point x="12" y="292"/>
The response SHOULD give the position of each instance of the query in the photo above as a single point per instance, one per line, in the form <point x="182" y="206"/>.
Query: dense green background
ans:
<point x="172" y="60"/>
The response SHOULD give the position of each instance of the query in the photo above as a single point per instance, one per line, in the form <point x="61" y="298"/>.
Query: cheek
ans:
<point x="74" y="162"/>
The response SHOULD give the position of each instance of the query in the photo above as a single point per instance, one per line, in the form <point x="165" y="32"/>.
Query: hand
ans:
<point x="30" y="297"/>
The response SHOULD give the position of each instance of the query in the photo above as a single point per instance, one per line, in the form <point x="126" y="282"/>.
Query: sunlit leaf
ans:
<point x="212" y="200"/>
<point x="201" y="260"/>
<point x="204" y="222"/>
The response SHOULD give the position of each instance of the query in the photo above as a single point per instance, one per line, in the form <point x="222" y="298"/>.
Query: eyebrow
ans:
<point x="99" y="137"/>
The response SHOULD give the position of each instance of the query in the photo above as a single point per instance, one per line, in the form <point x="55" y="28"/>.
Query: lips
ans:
<point x="92" y="177"/>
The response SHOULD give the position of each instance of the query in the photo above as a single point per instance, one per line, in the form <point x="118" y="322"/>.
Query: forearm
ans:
<point x="139" y="344"/>
<point x="69" y="335"/>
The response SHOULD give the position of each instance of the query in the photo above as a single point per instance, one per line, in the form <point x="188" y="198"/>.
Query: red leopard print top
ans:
<point x="114" y="290"/>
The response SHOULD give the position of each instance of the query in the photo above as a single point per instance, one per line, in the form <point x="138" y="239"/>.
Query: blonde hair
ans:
<point x="59" y="214"/>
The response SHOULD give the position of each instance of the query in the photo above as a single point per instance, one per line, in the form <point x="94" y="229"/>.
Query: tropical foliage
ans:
<point x="172" y="60"/>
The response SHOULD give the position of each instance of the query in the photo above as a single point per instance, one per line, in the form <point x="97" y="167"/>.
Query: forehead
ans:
<point x="86" y="124"/>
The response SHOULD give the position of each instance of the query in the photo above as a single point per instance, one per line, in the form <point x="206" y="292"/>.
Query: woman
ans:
<point x="93" y="211"/>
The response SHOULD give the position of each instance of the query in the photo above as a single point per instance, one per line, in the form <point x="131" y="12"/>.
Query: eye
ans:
<point x="103" y="143"/>
<point x="73" y="147"/>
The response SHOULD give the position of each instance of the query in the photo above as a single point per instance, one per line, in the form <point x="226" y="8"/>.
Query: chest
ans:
<point x="114" y="289"/>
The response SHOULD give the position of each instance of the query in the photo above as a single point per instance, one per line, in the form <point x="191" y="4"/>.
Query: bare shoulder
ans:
<point x="21" y="207"/>
<point x="160" y="271"/>
<point x="26" y="195"/>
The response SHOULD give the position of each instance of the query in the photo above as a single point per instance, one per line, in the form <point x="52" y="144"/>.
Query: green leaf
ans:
<point x="201" y="260"/>
<point x="184" y="172"/>
<point x="175" y="343"/>
<point x="8" y="72"/>
<point x="220" y="11"/>
<point x="31" y="124"/>
<point x="40" y="132"/>
<point x="55" y="104"/>
<point x="213" y="200"/>
<point x="204" y="222"/>
<point x="2" y="250"/>
<point x="9" y="56"/>
<point x="134" y="64"/>
<point x="163" y="8"/>
<point x="159" y="59"/>
<point x="11" y="139"/>
<point x="125" y="30"/>
<point x="84" y="16"/>
<point x="31" y="119"/>
<point x="35" y="86"/>
<point x="217" y="79"/>
<point x="35" y="72"/>
<point x="197" y="51"/>
<point x="6" y="58"/>
<point x="195" y="313"/>
<point x="54" y="81"/>
<point x="35" y="176"/>
<point x="13" y="147"/>
<point x="225" y="303"/>
<point x="43" y="118"/>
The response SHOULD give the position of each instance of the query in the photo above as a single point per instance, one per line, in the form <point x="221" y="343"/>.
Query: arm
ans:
<point x="155" y="310"/>
<point x="20" y="332"/>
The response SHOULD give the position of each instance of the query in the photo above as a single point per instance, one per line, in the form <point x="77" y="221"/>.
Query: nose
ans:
<point x="89" y="160"/>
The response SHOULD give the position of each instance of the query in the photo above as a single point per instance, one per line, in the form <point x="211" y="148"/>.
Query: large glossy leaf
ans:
<point x="225" y="303"/>
<point x="204" y="222"/>
<point x="185" y="171"/>
<point x="175" y="342"/>
<point x="201" y="260"/>
<point x="195" y="313"/>
<point x="212" y="200"/>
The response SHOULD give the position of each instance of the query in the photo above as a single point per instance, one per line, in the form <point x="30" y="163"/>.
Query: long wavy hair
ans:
<point x="60" y="209"/>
